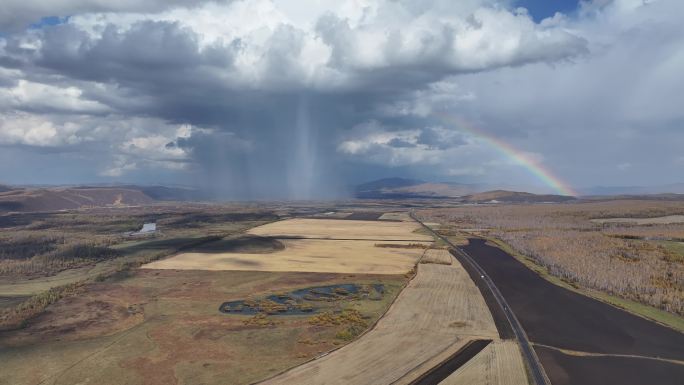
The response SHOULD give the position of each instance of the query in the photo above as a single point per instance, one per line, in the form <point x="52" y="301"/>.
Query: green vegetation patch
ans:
<point x="674" y="251"/>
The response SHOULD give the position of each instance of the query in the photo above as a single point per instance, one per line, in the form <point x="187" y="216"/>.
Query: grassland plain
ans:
<point x="46" y="257"/>
<point x="164" y="327"/>
<point x="434" y="316"/>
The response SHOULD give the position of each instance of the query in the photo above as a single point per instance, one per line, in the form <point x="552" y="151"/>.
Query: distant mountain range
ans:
<point x="398" y="188"/>
<point x="17" y="199"/>
<point x="32" y="199"/>
<point x="401" y="188"/>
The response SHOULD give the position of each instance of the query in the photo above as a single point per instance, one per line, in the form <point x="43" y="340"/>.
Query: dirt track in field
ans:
<point x="560" y="318"/>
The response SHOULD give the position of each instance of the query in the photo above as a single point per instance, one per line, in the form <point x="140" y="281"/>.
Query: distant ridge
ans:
<point x="387" y="183"/>
<point x="401" y="188"/>
<point x="69" y="198"/>
<point x="673" y="188"/>
<point x="5" y="188"/>
<point x="504" y="196"/>
<point x="53" y="199"/>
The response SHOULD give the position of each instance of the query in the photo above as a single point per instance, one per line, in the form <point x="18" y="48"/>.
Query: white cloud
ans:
<point x="265" y="48"/>
<point x="28" y="95"/>
<point x="32" y="130"/>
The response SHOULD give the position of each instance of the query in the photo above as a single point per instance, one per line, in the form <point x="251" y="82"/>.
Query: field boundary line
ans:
<point x="580" y="353"/>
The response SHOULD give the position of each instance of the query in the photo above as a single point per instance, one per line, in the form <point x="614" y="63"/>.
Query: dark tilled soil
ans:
<point x="554" y="316"/>
<point x="363" y="216"/>
<point x="437" y="374"/>
<point x="244" y="244"/>
<point x="565" y="369"/>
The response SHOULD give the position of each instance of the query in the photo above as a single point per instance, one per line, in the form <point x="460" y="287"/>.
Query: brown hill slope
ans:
<point x="440" y="189"/>
<point x="53" y="199"/>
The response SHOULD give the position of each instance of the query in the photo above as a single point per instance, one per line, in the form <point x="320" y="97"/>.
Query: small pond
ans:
<point x="303" y="301"/>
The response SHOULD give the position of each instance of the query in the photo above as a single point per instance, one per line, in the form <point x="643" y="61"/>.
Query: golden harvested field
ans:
<point x="341" y="229"/>
<point x="439" y="256"/>
<point x="305" y="255"/>
<point x="500" y="363"/>
<point x="439" y="311"/>
<point x="396" y="217"/>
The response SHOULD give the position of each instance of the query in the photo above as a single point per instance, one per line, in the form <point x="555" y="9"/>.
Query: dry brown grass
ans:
<point x="439" y="256"/>
<point x="617" y="258"/>
<point x="164" y="327"/>
<point x="439" y="311"/>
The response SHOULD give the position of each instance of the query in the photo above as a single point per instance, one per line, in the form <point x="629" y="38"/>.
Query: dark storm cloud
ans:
<point x="270" y="101"/>
<point x="440" y="138"/>
<point x="399" y="143"/>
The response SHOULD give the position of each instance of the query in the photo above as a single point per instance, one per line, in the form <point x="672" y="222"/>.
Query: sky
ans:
<point x="259" y="99"/>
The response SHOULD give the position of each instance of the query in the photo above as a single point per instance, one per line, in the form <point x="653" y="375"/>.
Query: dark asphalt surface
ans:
<point x="450" y="365"/>
<point x="569" y="370"/>
<point x="558" y="317"/>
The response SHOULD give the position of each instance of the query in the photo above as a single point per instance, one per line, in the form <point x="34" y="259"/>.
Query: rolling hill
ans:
<point x="53" y="199"/>
<point x="401" y="188"/>
<point x="504" y="196"/>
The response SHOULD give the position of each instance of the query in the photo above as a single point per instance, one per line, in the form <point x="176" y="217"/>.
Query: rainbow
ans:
<point x="535" y="168"/>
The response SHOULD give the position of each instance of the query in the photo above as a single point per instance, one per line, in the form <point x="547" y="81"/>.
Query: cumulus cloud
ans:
<point x="277" y="99"/>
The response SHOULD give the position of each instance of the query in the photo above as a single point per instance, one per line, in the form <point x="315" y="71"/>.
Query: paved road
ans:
<point x="532" y="361"/>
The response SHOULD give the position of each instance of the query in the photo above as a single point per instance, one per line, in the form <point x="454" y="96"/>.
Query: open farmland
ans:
<point x="434" y="316"/>
<point x="439" y="256"/>
<point x="499" y="363"/>
<point x="639" y="263"/>
<point x="317" y="245"/>
<point x="234" y="303"/>
<point x="308" y="255"/>
<point x="342" y="229"/>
